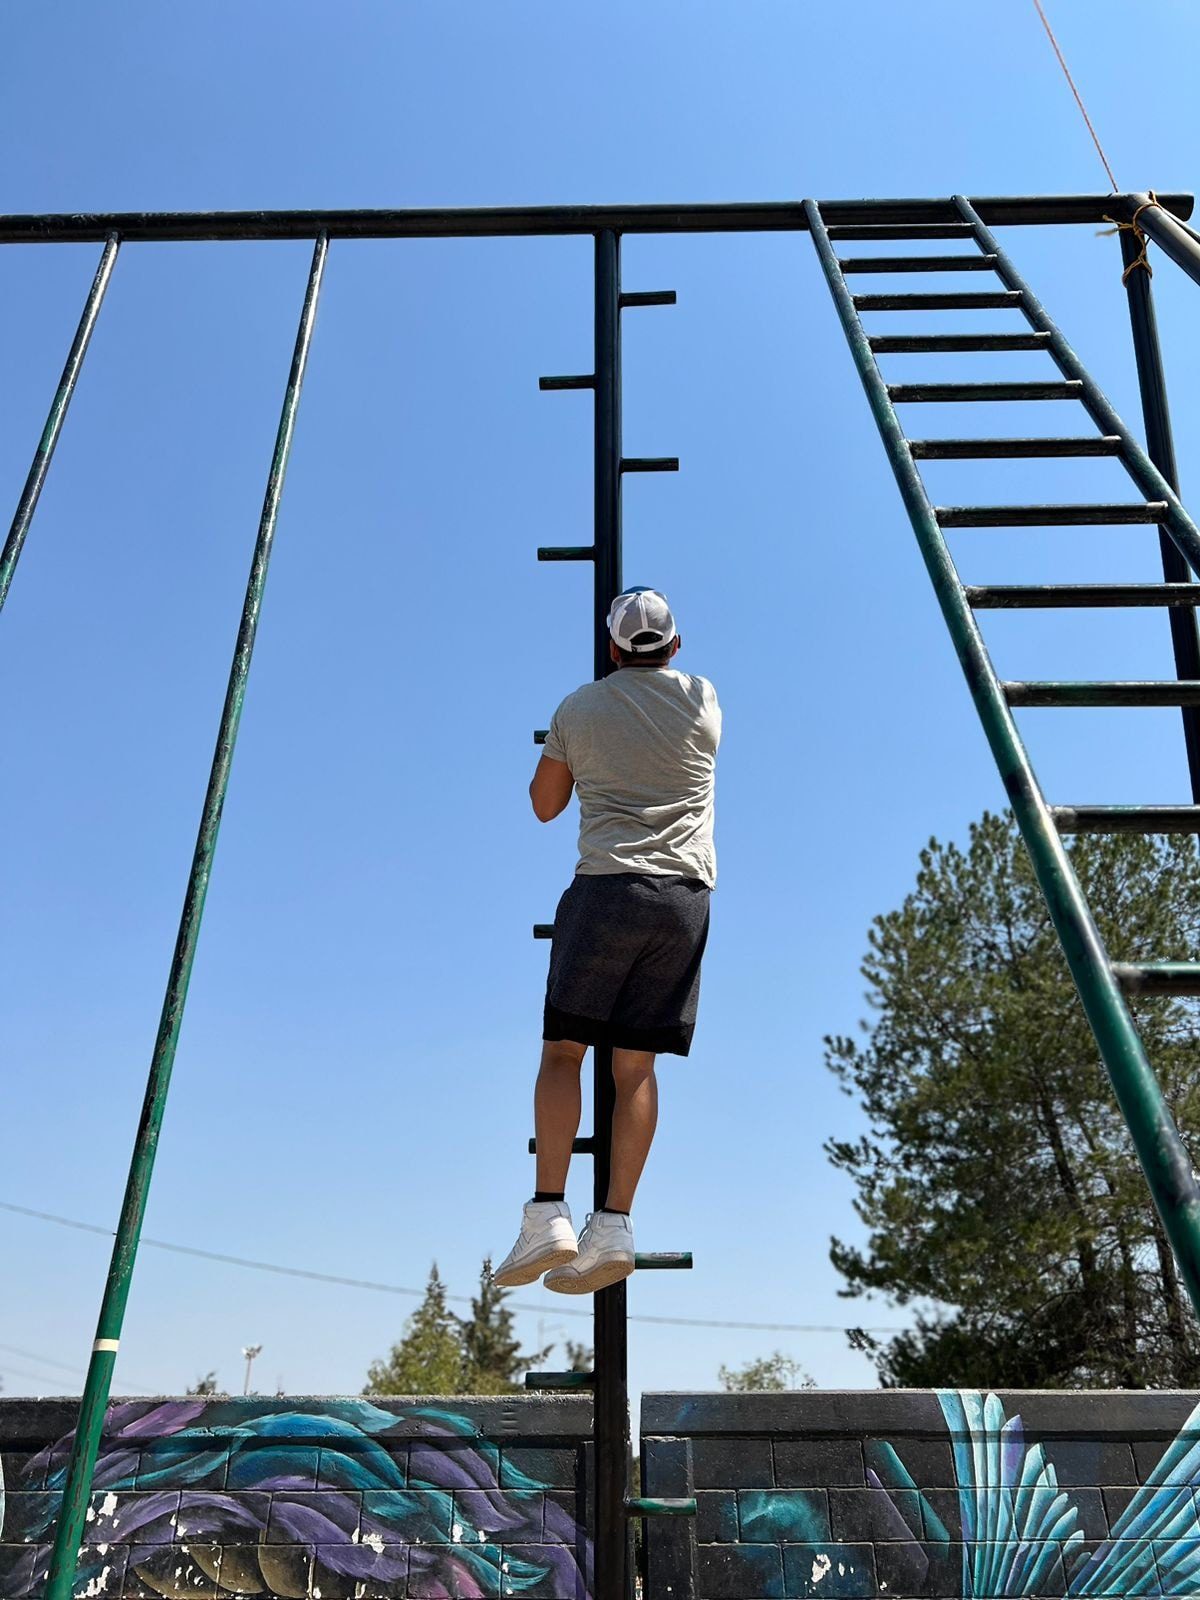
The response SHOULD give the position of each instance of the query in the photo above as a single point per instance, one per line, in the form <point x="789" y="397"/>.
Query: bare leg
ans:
<point x="635" y="1118"/>
<point x="556" y="1110"/>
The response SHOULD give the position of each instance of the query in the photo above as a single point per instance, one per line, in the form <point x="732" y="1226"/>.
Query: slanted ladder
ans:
<point x="1102" y="983"/>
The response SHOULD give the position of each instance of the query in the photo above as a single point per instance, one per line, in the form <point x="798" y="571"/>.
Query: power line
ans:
<point x="62" y="1366"/>
<point x="395" y="1288"/>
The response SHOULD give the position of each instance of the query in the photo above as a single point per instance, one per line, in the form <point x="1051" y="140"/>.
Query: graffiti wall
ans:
<point x="312" y="1499"/>
<point x="909" y="1493"/>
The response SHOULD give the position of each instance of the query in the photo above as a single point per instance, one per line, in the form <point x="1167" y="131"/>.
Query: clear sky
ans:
<point x="353" y="1083"/>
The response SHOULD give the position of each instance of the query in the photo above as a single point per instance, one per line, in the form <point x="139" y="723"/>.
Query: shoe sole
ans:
<point x="602" y="1276"/>
<point x="523" y="1272"/>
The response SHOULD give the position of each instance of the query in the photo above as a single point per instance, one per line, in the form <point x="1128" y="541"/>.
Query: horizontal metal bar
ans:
<point x="963" y="262"/>
<point x="1178" y="978"/>
<point x="1049" y="516"/>
<point x="663" y="1261"/>
<point x="513" y="221"/>
<point x="1054" y="596"/>
<point x="1182" y="692"/>
<point x="1000" y="449"/>
<point x="566" y="552"/>
<point x="948" y="343"/>
<point x="559" y="1380"/>
<point x="649" y="463"/>
<point x="1127" y="819"/>
<point x="579" y="380"/>
<point x="643" y="1506"/>
<point x="997" y="300"/>
<point x="647" y="297"/>
<point x="900" y="231"/>
<point x="964" y="393"/>
<point x="543" y="930"/>
<point x="579" y="1147"/>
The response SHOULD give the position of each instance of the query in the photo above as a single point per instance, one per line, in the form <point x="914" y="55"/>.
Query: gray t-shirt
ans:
<point x="642" y="747"/>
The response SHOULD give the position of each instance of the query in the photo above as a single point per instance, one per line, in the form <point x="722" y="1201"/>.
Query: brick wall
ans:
<point x="911" y="1493"/>
<point x="333" y="1499"/>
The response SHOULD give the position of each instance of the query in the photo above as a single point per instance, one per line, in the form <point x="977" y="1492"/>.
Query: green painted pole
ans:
<point x="1162" y="1154"/>
<point x="27" y="504"/>
<point x="77" y="1491"/>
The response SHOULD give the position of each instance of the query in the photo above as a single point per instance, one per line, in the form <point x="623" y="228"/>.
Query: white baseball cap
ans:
<point x="640" y="621"/>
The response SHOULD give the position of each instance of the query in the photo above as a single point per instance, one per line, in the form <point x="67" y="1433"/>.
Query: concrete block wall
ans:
<point x="310" y="1499"/>
<point x="911" y="1493"/>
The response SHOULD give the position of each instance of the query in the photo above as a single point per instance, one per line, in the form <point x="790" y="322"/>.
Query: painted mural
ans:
<point x="211" y="1499"/>
<point x="959" y="1504"/>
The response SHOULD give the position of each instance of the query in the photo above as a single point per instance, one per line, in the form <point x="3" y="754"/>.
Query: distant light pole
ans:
<point x="250" y="1351"/>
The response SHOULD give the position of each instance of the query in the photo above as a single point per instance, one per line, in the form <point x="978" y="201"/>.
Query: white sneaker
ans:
<point x="546" y="1240"/>
<point x="605" y="1256"/>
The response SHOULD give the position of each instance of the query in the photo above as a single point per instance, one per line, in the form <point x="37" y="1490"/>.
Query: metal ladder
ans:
<point x="614" y="1506"/>
<point x="1102" y="983"/>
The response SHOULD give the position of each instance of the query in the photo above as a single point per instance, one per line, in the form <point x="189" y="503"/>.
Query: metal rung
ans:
<point x="650" y="464"/>
<point x="899" y="230"/>
<point x="582" y="380"/>
<point x="988" y="301"/>
<point x="654" y="1507"/>
<point x="1037" y="596"/>
<point x="559" y="1380"/>
<point x="1158" y="977"/>
<point x="1098" y="444"/>
<point x="958" y="263"/>
<point x="1126" y="819"/>
<point x="567" y="552"/>
<point x="543" y="930"/>
<point x="912" y="343"/>
<point x="579" y="1147"/>
<point x="1182" y="692"/>
<point x="1049" y="516"/>
<point x="540" y="735"/>
<point x="647" y="297"/>
<point x="663" y="1261"/>
<point x="1071" y="389"/>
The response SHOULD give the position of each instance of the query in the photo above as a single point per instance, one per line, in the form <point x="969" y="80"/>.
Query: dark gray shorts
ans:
<point x="625" y="962"/>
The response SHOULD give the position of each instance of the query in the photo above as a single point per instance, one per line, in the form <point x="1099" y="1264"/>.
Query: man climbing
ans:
<point x="639" y="747"/>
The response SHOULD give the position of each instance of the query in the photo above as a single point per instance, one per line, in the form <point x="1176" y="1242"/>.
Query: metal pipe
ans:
<point x="116" y="1291"/>
<point x="610" y="1425"/>
<point x="491" y="222"/>
<point x="27" y="504"/>
<point x="1156" y="220"/>
<point x="1164" y="1159"/>
<point x="1160" y="447"/>
<point x="1141" y="469"/>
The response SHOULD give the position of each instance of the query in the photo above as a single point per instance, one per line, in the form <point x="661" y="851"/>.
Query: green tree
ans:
<point x="205" y="1385"/>
<point x="492" y="1355"/>
<point x="997" y="1182"/>
<point x="430" y="1357"/>
<point x="773" y="1372"/>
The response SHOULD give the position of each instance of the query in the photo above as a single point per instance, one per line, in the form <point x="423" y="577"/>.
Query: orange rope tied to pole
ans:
<point x="1132" y="226"/>
<point x="1078" y="98"/>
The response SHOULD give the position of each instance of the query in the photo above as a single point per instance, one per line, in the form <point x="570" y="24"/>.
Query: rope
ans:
<point x="1132" y="227"/>
<point x="1078" y="97"/>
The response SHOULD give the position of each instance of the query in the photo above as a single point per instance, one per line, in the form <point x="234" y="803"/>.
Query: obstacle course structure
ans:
<point x="1103" y="984"/>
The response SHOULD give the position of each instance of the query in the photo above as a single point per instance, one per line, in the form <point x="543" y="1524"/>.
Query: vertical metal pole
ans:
<point x="1160" y="447"/>
<point x="27" y="504"/>
<point x="92" y="1407"/>
<point x="611" y="1365"/>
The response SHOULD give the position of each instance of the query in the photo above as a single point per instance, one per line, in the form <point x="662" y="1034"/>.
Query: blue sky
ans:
<point x="353" y="1083"/>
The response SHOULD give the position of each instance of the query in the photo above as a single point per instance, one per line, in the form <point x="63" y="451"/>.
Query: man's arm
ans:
<point x="551" y="788"/>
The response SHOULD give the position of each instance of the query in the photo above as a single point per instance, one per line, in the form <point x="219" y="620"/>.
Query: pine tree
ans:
<point x="430" y="1358"/>
<point x="997" y="1180"/>
<point x="494" y="1358"/>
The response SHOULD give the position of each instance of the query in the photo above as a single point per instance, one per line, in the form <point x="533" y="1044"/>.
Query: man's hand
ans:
<point x="551" y="788"/>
